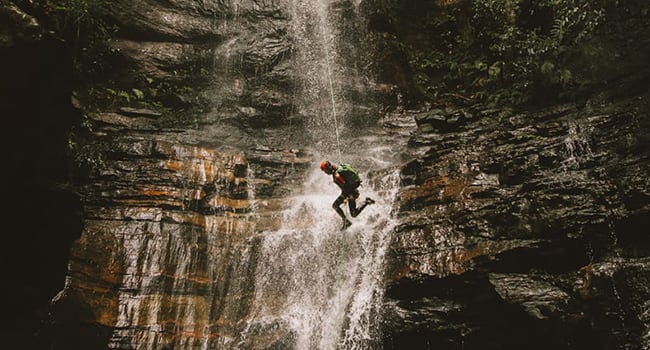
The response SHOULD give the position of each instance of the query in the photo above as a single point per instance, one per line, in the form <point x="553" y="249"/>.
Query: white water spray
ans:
<point x="320" y="285"/>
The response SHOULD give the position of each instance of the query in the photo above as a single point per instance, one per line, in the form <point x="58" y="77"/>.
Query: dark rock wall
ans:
<point x="518" y="232"/>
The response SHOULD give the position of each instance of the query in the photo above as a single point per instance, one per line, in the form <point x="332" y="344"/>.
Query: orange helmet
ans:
<point x="326" y="166"/>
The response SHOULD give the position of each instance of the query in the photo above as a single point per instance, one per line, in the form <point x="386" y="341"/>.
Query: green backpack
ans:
<point x="349" y="175"/>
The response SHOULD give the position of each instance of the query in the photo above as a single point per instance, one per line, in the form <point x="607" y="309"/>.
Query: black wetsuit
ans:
<point x="347" y="192"/>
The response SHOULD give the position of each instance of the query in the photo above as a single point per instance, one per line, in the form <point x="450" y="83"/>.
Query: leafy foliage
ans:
<point x="508" y="52"/>
<point x="81" y="23"/>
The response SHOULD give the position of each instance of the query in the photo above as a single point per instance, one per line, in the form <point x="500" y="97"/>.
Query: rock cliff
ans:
<point x="527" y="230"/>
<point x="520" y="232"/>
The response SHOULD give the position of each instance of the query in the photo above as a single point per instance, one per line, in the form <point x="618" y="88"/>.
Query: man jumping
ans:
<point x="348" y="180"/>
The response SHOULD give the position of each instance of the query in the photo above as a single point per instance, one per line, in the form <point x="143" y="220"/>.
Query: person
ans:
<point x="348" y="180"/>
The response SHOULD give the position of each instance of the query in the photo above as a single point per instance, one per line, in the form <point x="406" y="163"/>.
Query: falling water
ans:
<point x="318" y="287"/>
<point x="321" y="72"/>
<point x="322" y="286"/>
<point x="578" y="150"/>
<point x="577" y="144"/>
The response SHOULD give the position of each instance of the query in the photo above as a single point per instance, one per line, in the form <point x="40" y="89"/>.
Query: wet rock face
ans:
<point x="529" y="221"/>
<point x="218" y="55"/>
<point x="178" y="201"/>
<point x="180" y="221"/>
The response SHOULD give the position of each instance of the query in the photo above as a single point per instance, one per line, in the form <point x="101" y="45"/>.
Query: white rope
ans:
<point x="329" y="77"/>
<point x="341" y="250"/>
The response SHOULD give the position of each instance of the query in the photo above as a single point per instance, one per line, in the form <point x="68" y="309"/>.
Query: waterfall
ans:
<point x="318" y="95"/>
<point x="317" y="287"/>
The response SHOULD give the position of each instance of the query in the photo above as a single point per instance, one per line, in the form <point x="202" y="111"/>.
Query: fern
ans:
<point x="124" y="95"/>
<point x="138" y="94"/>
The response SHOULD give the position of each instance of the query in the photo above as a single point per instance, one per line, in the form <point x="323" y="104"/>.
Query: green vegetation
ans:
<point x="97" y="63"/>
<point x="81" y="23"/>
<point x="507" y="53"/>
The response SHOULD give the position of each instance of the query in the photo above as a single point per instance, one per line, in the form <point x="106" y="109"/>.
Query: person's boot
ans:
<point x="369" y="201"/>
<point x="346" y="224"/>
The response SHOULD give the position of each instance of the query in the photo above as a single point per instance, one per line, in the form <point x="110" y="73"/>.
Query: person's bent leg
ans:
<point x="354" y="211"/>
<point x="337" y="206"/>
<point x="352" y="204"/>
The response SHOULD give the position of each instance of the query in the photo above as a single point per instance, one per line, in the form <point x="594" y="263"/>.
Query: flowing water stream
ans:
<point x="317" y="287"/>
